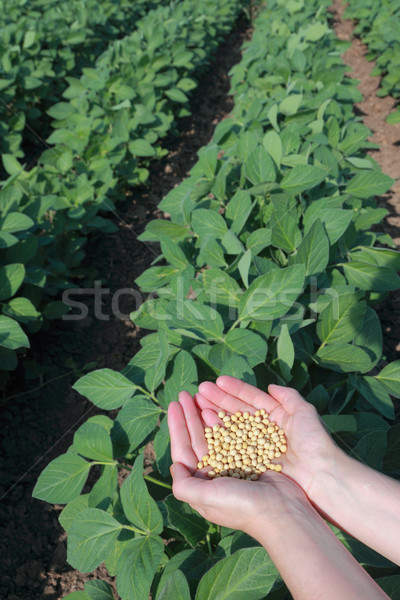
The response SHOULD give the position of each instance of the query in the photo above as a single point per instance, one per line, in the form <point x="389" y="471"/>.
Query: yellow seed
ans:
<point x="208" y="435"/>
<point x="215" y="427"/>
<point x="221" y="414"/>
<point x="211" y="473"/>
<point x="257" y="413"/>
<point x="246" y="415"/>
<point x="226" y="419"/>
<point x="248" y="470"/>
<point x="278" y="467"/>
<point x="200" y="465"/>
<point x="283" y="448"/>
<point x="277" y="454"/>
<point x="254" y="477"/>
<point x="236" y="475"/>
<point x="223" y="472"/>
<point x="262" y="411"/>
<point x="220" y="465"/>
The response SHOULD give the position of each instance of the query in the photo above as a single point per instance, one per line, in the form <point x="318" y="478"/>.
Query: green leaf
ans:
<point x="173" y="253"/>
<point x="141" y="148"/>
<point x="106" y="388"/>
<point x="72" y="509"/>
<point x="155" y="278"/>
<point x="237" y="366"/>
<point x="244" y="267"/>
<point x="91" y="539"/>
<point x="78" y="596"/>
<point x="313" y="251"/>
<point x="139" y="507"/>
<point x="302" y="178"/>
<point x="247" y="344"/>
<point x="22" y="310"/>
<point x="11" y="334"/>
<point x="390" y="377"/>
<point x="238" y="210"/>
<point x="258" y="240"/>
<point x="137" y="565"/>
<point x="136" y="419"/>
<point x="343" y="358"/>
<point x="99" y="590"/>
<point x="175" y="586"/>
<point x="377" y="256"/>
<point x="7" y="240"/>
<point x="371" y="448"/>
<point x="391" y="583"/>
<point x="340" y="422"/>
<point x="93" y="441"/>
<point x="259" y="166"/>
<point x="211" y="253"/>
<point x="11" y="277"/>
<point x="162" y="448"/>
<point x="182" y="377"/>
<point x="315" y="32"/>
<point x="249" y="573"/>
<point x="62" y="480"/>
<point x="271" y="296"/>
<point x="285" y="352"/>
<point x="221" y="288"/>
<point x="185" y="520"/>
<point x="208" y="157"/>
<point x="342" y="319"/>
<point x="369" y="337"/>
<point x="207" y="222"/>
<point x="155" y="375"/>
<point x="291" y="104"/>
<point x="192" y="563"/>
<point x="273" y="145"/>
<point x="370" y="277"/>
<point x="375" y="393"/>
<point x="176" y="95"/>
<point x="158" y="229"/>
<point x="365" y="185"/>
<point x="335" y="221"/>
<point x="191" y="316"/>
<point x="15" y="221"/>
<point x="105" y="488"/>
<point x="285" y="232"/>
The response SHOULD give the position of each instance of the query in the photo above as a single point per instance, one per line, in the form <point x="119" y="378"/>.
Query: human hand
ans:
<point x="310" y="447"/>
<point x="234" y="503"/>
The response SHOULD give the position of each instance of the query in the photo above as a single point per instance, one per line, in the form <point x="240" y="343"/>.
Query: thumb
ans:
<point x="185" y="487"/>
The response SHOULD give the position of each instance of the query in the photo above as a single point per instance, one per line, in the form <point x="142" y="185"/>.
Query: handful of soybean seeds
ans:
<point x="244" y="446"/>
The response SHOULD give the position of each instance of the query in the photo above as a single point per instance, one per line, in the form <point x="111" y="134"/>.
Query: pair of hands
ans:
<point x="238" y="503"/>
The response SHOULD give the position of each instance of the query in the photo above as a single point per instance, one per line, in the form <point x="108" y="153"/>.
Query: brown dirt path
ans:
<point x="38" y="426"/>
<point x="374" y="111"/>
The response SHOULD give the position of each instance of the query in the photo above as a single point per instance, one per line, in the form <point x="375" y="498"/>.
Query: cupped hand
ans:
<point x="234" y="503"/>
<point x="310" y="447"/>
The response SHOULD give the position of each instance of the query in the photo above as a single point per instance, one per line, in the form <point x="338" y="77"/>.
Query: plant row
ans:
<point x="43" y="44"/>
<point x="378" y="25"/>
<point x="105" y="133"/>
<point x="269" y="271"/>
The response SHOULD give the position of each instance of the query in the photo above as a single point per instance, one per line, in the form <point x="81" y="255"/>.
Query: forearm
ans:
<point x="361" y="501"/>
<point x="313" y="562"/>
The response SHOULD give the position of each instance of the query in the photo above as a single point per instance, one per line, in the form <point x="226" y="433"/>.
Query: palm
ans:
<point x="212" y="497"/>
<point x="308" y="442"/>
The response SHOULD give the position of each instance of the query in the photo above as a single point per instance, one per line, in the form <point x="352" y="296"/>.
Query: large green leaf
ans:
<point x="371" y="277"/>
<point x="221" y="288"/>
<point x="199" y="319"/>
<point x="72" y="509"/>
<point x="162" y="448"/>
<point x="369" y="338"/>
<point x="174" y="587"/>
<point x="106" y="388"/>
<point x="137" y="565"/>
<point x="185" y="520"/>
<point x="313" y="251"/>
<point x="285" y="232"/>
<point x="105" y="488"/>
<point x="342" y="319"/>
<point x="158" y="229"/>
<point x="248" y="574"/>
<point x="11" y="277"/>
<point x="343" y="358"/>
<point x="390" y="377"/>
<point x="302" y="178"/>
<point x="183" y="376"/>
<point x="238" y="210"/>
<point x="272" y="295"/>
<point x="12" y="335"/>
<point x="371" y="449"/>
<point x="15" y="221"/>
<point x="92" y="440"/>
<point x="335" y="221"/>
<point x="207" y="222"/>
<point x="22" y="310"/>
<point x="91" y="539"/>
<point x="248" y="344"/>
<point x="375" y="393"/>
<point x="135" y="421"/>
<point x="139" y="507"/>
<point x="62" y="480"/>
<point x="259" y="166"/>
<point x="372" y="183"/>
<point x="155" y="375"/>
<point x="285" y="352"/>
<point x="99" y="590"/>
<point x="391" y="583"/>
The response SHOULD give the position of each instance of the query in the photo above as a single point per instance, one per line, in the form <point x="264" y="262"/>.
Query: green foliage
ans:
<point x="114" y="80"/>
<point x="378" y="25"/>
<point x="269" y="272"/>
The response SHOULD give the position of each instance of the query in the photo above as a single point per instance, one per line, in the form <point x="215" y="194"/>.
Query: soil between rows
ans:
<point x="39" y="426"/>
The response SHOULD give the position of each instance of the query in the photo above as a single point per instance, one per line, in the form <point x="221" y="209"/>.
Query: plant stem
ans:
<point x="132" y="528"/>
<point x="157" y="482"/>
<point x="209" y="544"/>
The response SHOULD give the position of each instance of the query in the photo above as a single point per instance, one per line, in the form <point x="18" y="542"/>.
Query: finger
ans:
<point x="211" y="418"/>
<point x="181" y="448"/>
<point x="187" y="488"/>
<point x="222" y="400"/>
<point x="289" y="398"/>
<point x="194" y="424"/>
<point x="247" y="393"/>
